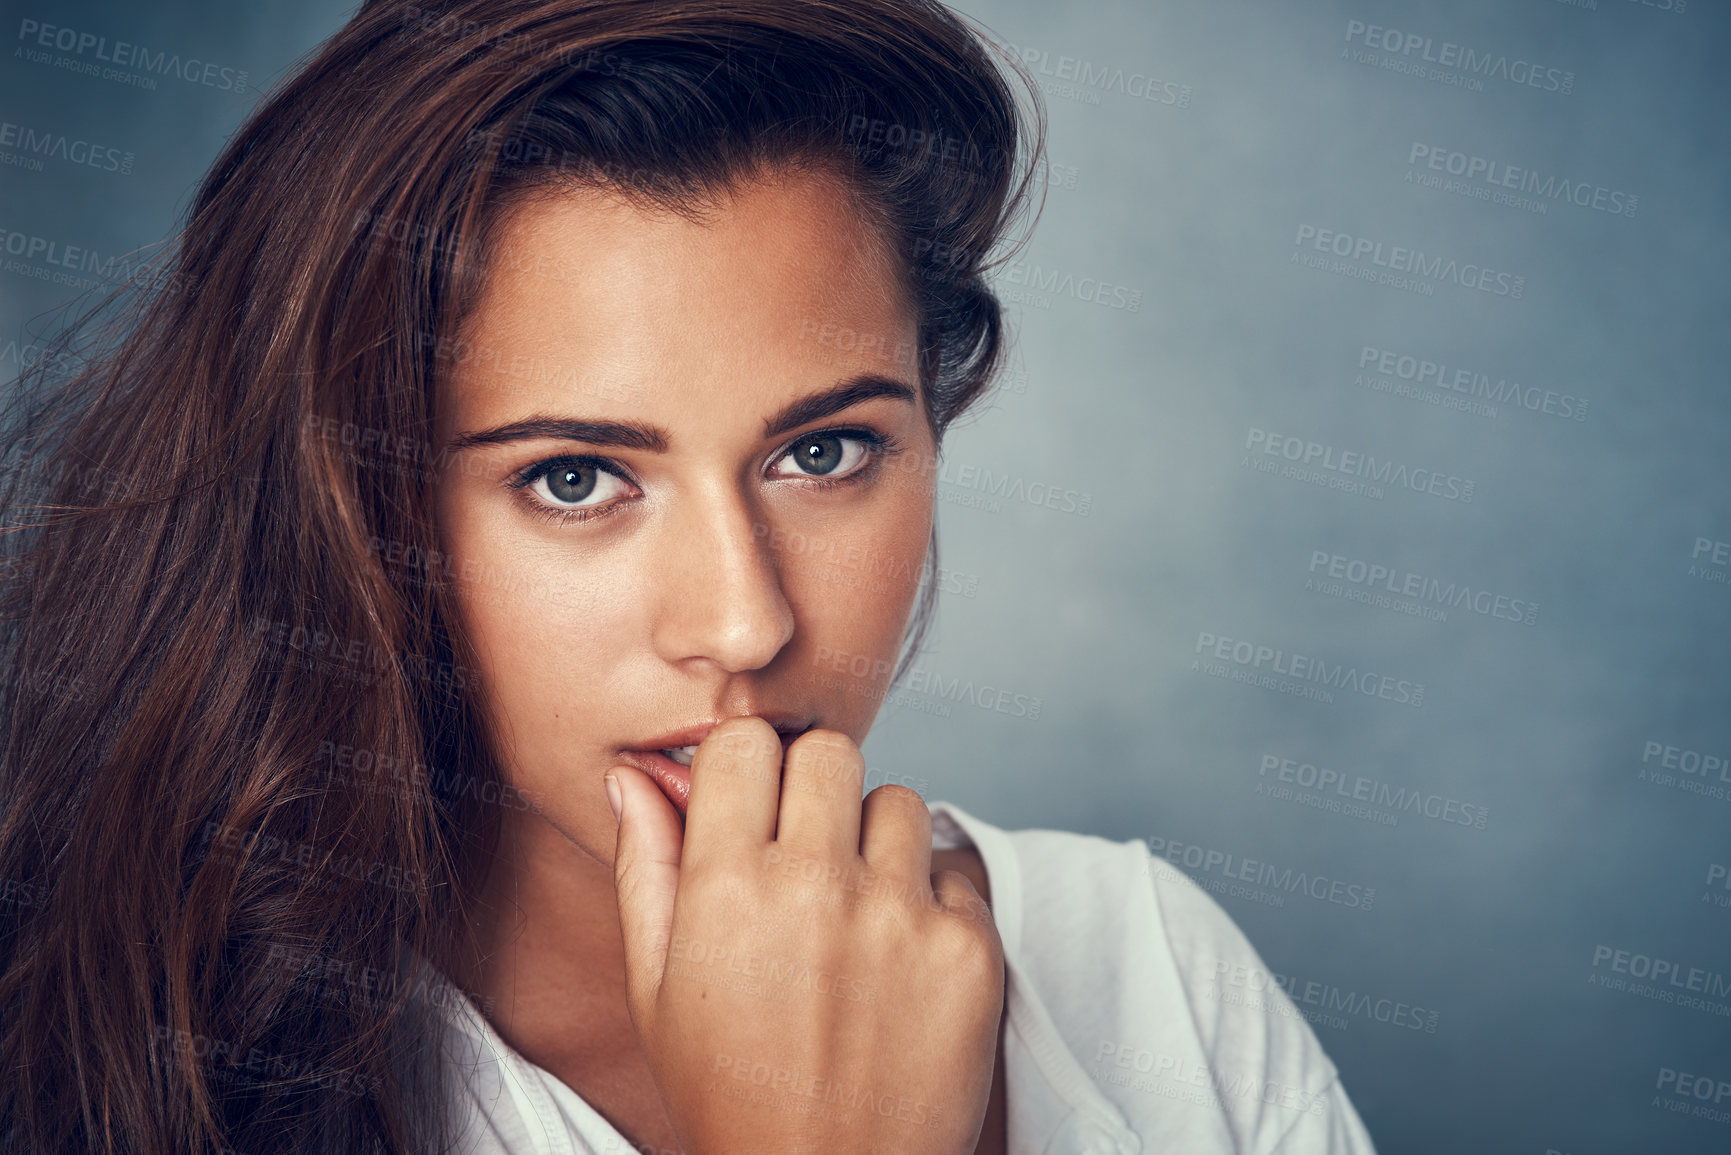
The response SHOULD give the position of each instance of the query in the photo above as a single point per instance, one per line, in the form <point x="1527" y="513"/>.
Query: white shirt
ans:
<point x="1121" y="1037"/>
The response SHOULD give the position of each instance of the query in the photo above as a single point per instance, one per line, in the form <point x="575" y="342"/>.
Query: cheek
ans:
<point x="528" y="613"/>
<point x="853" y="586"/>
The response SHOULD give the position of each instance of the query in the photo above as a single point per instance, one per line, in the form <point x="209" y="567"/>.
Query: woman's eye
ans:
<point x="577" y="484"/>
<point x="824" y="455"/>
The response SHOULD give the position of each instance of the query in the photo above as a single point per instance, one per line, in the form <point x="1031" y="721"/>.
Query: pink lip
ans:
<point x="675" y="779"/>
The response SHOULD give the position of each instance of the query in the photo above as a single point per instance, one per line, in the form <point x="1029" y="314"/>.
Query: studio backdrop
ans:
<point x="1352" y="523"/>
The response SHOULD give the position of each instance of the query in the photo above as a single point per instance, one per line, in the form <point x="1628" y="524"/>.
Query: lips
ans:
<point x="667" y="759"/>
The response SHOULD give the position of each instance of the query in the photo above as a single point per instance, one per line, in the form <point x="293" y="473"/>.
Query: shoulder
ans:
<point x="1159" y="995"/>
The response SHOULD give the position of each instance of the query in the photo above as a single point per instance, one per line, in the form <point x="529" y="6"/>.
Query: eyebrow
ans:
<point x="624" y="434"/>
<point x="847" y="394"/>
<point x="654" y="439"/>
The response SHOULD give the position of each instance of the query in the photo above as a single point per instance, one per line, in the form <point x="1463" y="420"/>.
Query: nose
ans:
<point x="720" y="592"/>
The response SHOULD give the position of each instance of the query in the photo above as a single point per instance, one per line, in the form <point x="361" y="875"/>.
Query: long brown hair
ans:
<point x="245" y="758"/>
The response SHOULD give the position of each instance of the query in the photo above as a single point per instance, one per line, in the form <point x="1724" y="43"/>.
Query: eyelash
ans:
<point x="878" y="447"/>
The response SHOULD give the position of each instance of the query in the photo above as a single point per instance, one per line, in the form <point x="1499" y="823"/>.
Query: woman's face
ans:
<point x="688" y="478"/>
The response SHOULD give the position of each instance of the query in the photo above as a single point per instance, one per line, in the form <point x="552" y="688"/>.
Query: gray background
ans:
<point x="1196" y="206"/>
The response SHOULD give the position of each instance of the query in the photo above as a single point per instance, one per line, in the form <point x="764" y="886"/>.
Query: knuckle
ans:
<point x="727" y="876"/>
<point x="720" y="874"/>
<point x="950" y="881"/>
<point x="966" y="949"/>
<point x="962" y="903"/>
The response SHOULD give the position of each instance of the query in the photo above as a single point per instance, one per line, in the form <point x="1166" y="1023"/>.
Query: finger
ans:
<point x="646" y="860"/>
<point x="735" y="778"/>
<point x="820" y="802"/>
<point x="896" y="834"/>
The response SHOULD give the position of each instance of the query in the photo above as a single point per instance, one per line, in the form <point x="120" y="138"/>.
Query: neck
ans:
<point x="545" y="944"/>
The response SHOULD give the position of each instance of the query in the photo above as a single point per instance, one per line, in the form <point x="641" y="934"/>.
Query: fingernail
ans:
<point x="613" y="797"/>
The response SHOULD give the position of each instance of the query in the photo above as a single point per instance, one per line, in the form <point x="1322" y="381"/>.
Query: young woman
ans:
<point x="443" y="617"/>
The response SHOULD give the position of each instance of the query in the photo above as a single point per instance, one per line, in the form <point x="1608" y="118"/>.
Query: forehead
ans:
<point x="597" y="301"/>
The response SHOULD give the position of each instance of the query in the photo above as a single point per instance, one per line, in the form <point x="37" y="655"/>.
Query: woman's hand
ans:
<point x="799" y="979"/>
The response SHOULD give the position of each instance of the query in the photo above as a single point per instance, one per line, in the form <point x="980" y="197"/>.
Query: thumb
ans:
<point x="645" y="879"/>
